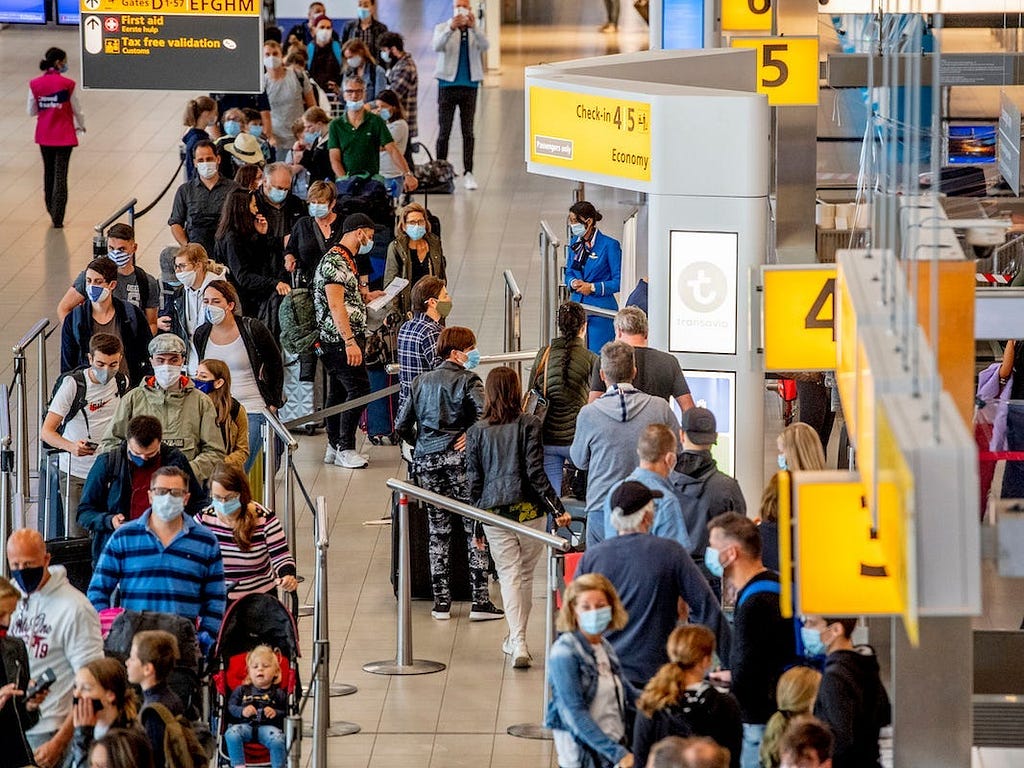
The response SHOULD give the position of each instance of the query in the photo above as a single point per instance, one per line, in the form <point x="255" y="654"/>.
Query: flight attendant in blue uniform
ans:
<point x="593" y="271"/>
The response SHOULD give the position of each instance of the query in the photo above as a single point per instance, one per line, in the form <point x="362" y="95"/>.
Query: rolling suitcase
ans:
<point x="298" y="393"/>
<point x="379" y="417"/>
<point x="419" y="554"/>
<point x="73" y="552"/>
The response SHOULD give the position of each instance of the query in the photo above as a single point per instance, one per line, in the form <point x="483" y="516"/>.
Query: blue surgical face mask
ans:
<point x="227" y="508"/>
<point x="319" y="210"/>
<point x="712" y="562"/>
<point x="596" y="621"/>
<point x="276" y="195"/>
<point x="102" y="375"/>
<point x="205" y="387"/>
<point x="167" y="507"/>
<point x="256" y="130"/>
<point x="385" y="56"/>
<point x="232" y="127"/>
<point x="135" y="459"/>
<point x="782" y="461"/>
<point x="366" y="247"/>
<point x="310" y="138"/>
<point x="354" y="106"/>
<point x="362" y="13"/>
<point x="415" y="231"/>
<point x="812" y="642"/>
<point x="63" y="67"/>
<point x="97" y="293"/>
<point x="577" y="229"/>
<point x="472" y="359"/>
<point x="385" y="114"/>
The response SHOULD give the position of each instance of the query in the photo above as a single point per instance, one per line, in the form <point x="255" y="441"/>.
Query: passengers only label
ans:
<point x="597" y="134"/>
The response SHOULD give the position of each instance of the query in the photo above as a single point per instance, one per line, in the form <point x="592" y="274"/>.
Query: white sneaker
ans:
<point x="468" y="181"/>
<point x="521" y="658"/>
<point x="507" y="646"/>
<point x="350" y="460"/>
<point x="330" y="455"/>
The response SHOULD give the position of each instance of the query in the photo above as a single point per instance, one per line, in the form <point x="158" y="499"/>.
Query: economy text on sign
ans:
<point x="184" y="7"/>
<point x="597" y="134"/>
<point x="787" y="68"/>
<point x="799" y="318"/>
<point x="747" y="15"/>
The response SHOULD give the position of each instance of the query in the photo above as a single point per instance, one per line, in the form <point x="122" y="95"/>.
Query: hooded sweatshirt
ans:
<point x="854" y="704"/>
<point x="61" y="631"/>
<point x="607" y="431"/>
<point x="703" y="492"/>
<point x="700" y="711"/>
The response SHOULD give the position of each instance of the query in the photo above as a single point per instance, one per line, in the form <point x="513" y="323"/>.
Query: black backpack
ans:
<point x="78" y="405"/>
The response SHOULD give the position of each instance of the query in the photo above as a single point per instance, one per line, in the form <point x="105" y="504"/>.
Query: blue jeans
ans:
<point x="270" y="736"/>
<point x="256" y="422"/>
<point x="555" y="457"/>
<point x="750" y="756"/>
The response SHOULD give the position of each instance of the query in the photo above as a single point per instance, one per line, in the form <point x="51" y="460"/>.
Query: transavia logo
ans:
<point x="702" y="287"/>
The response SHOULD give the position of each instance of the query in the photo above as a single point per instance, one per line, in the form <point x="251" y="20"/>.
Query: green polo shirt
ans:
<point x="360" y="147"/>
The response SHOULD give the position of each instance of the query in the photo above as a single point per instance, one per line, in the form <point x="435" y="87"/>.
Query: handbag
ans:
<point x="536" y="403"/>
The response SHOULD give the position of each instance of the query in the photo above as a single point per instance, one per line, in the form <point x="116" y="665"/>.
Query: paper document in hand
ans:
<point x="396" y="287"/>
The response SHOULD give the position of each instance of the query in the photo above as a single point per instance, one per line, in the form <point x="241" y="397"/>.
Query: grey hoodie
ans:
<point x="607" y="432"/>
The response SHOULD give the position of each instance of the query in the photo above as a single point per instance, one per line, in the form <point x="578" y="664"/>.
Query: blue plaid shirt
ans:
<point x="417" y="351"/>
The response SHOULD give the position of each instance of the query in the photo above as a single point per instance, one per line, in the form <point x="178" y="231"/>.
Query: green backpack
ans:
<point x="297" y="315"/>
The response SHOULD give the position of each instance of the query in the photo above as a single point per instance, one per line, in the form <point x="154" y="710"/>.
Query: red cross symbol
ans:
<point x="110" y="24"/>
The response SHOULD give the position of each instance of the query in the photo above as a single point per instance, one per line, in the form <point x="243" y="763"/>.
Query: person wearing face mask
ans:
<point x="313" y="154"/>
<point x="403" y="77"/>
<point x="442" y="405"/>
<point x="678" y="701"/>
<point x="365" y="27"/>
<point x="164" y="561"/>
<point x="183" y="309"/>
<point x="103" y="701"/>
<point x="277" y="204"/>
<point x="134" y="285"/>
<point x="103" y="313"/>
<point x="356" y="138"/>
<point x="52" y="100"/>
<point x="16" y="714"/>
<point x="55" y="616"/>
<point x="200" y="116"/>
<point x="590" y="697"/>
<point x="702" y="489"/>
<point x="260" y="129"/>
<point x="763" y="642"/>
<point x="305" y="32"/>
<point x="359" y="62"/>
<point x="389" y="109"/>
<point x="232" y="121"/>
<point x="289" y="93"/>
<point x="244" y="154"/>
<point x="657" y="451"/>
<point x="117" y="488"/>
<point x="415" y="253"/>
<point x="197" y="203"/>
<point x="251" y="354"/>
<point x="341" y="316"/>
<point x="252" y="541"/>
<point x="213" y="378"/>
<point x="313" y="235"/>
<point x="82" y="406"/>
<point x="851" y="700"/>
<point x="594" y="270"/>
<point x="323" y="55"/>
<point x="418" y="336"/>
<point x="188" y="417"/>
<point x="652" y="575"/>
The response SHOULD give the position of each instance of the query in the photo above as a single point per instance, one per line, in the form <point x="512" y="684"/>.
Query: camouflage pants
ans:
<point x="445" y="473"/>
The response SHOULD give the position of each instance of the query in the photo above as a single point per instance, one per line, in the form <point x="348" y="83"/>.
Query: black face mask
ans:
<point x="29" y="579"/>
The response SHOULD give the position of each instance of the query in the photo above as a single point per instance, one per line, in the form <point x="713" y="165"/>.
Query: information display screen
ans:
<point x="715" y="390"/>
<point x="22" y="12"/>
<point x="970" y="144"/>
<point x="682" y="24"/>
<point x="67" y="12"/>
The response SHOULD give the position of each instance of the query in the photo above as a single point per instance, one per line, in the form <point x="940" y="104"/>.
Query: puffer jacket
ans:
<point x="443" y="404"/>
<point x="505" y="465"/>
<point x="568" y="370"/>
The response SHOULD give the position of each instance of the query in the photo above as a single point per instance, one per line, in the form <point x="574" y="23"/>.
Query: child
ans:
<point x="257" y="709"/>
<point x="254" y="125"/>
<point x="152" y="658"/>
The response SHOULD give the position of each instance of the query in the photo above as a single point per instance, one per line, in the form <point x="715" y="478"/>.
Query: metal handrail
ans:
<point x="6" y="467"/>
<point x="511" y="285"/>
<point x="37" y="333"/>
<point x="128" y="208"/>
<point x="509" y="357"/>
<point x="281" y="430"/>
<point x="600" y="311"/>
<point x="272" y="426"/>
<point x="30" y="336"/>
<point x="551" y="237"/>
<point x="548" y="244"/>
<point x="513" y="316"/>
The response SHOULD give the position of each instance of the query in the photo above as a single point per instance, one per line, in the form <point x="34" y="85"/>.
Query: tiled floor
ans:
<point x="458" y="717"/>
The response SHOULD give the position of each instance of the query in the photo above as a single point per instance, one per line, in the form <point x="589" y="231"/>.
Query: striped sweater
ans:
<point x="185" y="578"/>
<point x="267" y="559"/>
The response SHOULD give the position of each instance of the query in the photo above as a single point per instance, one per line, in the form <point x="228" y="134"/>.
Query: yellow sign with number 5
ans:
<point x="787" y="68"/>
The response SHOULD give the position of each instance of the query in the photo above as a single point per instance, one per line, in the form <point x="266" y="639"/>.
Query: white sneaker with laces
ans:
<point x="469" y="182"/>
<point x="350" y="459"/>
<point x="331" y="454"/>
<point x="521" y="658"/>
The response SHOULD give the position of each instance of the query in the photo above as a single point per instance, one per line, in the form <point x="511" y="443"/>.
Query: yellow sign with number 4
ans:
<point x="787" y="68"/>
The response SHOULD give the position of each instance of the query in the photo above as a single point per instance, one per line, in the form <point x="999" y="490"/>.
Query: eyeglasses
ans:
<point x="175" y="492"/>
<point x="225" y="499"/>
<point x="358" y="92"/>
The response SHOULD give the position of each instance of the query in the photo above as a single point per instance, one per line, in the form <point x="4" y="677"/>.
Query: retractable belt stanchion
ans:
<point x="322" y="725"/>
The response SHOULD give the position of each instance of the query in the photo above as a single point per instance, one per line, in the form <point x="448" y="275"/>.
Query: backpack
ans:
<point x="297" y="315"/>
<point x="181" y="747"/>
<point x="78" y="405"/>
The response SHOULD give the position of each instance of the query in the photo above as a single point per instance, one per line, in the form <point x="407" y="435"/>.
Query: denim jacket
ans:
<point x="572" y="673"/>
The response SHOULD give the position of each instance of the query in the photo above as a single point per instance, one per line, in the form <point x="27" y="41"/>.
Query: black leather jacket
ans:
<point x="443" y="404"/>
<point x="14" y="718"/>
<point x="505" y="465"/>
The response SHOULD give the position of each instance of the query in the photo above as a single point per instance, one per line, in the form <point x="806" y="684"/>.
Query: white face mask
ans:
<point x="207" y="170"/>
<point x="272" y="62"/>
<point x="166" y="375"/>
<point x="187" y="279"/>
<point x="323" y="36"/>
<point x="354" y="61"/>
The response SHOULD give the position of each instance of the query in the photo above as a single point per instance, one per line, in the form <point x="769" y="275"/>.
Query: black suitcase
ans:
<point x="419" y="555"/>
<point x="73" y="552"/>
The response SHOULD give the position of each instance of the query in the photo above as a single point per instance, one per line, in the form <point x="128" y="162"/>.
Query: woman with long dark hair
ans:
<point x="505" y="466"/>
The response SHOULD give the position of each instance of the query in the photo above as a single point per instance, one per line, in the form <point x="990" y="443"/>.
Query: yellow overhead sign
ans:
<point x="747" y="15"/>
<point x="846" y="350"/>
<point x="787" y="68"/>
<point x="135" y="8"/>
<point x="799" y="318"/>
<point x="597" y="134"/>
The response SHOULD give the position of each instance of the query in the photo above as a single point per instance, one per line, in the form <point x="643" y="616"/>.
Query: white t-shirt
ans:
<point x="88" y="424"/>
<point x="400" y="133"/>
<point x="604" y="710"/>
<point x="243" y="382"/>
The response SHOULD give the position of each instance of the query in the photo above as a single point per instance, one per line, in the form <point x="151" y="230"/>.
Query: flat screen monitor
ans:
<point x="22" y="12"/>
<point x="682" y="24"/>
<point x="67" y="12"/>
<point x="970" y="144"/>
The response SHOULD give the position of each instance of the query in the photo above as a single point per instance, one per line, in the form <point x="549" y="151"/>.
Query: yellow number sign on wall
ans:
<point x="787" y="68"/>
<point x="799" y="318"/>
<point x="747" y="15"/>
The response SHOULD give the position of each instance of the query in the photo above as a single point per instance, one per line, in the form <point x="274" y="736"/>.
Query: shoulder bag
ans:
<point x="535" y="403"/>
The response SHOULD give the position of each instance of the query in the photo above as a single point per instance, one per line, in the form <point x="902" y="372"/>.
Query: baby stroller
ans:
<point x="258" y="619"/>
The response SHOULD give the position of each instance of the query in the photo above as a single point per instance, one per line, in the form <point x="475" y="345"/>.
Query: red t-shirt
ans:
<point x="141" y="477"/>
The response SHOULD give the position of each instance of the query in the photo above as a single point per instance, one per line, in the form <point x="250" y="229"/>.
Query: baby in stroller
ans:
<point x="257" y="709"/>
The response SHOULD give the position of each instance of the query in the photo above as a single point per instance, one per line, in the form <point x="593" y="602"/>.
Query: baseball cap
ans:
<point x="700" y="426"/>
<point x="630" y="498"/>
<point x="356" y="221"/>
